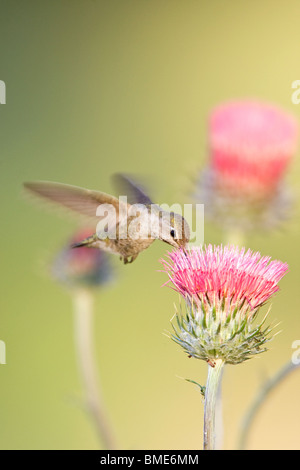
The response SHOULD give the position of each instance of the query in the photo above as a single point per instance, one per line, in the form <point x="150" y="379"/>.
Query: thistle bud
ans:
<point x="82" y="267"/>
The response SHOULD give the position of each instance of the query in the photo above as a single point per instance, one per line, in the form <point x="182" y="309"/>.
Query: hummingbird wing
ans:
<point x="128" y="187"/>
<point x="79" y="200"/>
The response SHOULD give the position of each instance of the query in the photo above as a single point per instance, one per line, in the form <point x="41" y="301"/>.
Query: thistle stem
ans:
<point x="210" y="404"/>
<point x="83" y="327"/>
<point x="260" y="399"/>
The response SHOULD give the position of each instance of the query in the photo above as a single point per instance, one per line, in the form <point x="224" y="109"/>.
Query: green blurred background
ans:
<point x="95" y="87"/>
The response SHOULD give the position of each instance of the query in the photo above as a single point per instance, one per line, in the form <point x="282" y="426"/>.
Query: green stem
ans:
<point x="211" y="397"/>
<point x="260" y="398"/>
<point x="83" y="324"/>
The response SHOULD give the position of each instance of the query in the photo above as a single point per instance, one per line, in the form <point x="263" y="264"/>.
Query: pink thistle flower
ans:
<point x="227" y="272"/>
<point x="251" y="145"/>
<point x="224" y="287"/>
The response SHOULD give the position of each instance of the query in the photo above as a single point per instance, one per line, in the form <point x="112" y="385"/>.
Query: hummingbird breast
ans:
<point x="125" y="247"/>
<point x="131" y="247"/>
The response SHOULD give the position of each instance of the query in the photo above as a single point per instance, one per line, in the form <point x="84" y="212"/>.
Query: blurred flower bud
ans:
<point x="83" y="266"/>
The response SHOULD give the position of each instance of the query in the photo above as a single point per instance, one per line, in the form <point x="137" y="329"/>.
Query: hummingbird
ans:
<point x="124" y="227"/>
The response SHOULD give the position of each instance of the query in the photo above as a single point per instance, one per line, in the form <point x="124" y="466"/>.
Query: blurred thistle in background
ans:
<point x="84" y="270"/>
<point x="251" y="145"/>
<point x="83" y="267"/>
<point x="224" y="289"/>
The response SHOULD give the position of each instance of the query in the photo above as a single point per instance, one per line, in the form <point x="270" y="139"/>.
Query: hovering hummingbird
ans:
<point x="123" y="227"/>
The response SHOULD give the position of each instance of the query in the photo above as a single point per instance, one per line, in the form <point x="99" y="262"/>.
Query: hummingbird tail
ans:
<point x="86" y="242"/>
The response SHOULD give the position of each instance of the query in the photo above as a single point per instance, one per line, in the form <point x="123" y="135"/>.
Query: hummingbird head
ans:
<point x="175" y="230"/>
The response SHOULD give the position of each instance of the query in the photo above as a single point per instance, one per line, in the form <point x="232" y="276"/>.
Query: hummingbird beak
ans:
<point x="176" y="243"/>
<point x="181" y="243"/>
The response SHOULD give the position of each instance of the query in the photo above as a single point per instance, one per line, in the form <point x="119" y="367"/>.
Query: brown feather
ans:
<point x="80" y="200"/>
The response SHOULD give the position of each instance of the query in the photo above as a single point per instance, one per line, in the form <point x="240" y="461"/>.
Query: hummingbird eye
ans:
<point x="172" y="233"/>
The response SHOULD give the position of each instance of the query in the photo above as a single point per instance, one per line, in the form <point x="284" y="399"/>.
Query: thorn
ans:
<point x="211" y="362"/>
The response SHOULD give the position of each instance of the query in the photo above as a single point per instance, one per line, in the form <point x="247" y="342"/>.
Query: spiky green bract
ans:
<point x="206" y="335"/>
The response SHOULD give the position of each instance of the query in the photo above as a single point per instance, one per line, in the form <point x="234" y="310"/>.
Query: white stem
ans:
<point x="259" y="400"/>
<point x="83" y="328"/>
<point x="219" y="415"/>
<point x="210" y="404"/>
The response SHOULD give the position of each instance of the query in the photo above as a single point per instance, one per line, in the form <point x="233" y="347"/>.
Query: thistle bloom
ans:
<point x="224" y="287"/>
<point x="251" y="145"/>
<point x="82" y="267"/>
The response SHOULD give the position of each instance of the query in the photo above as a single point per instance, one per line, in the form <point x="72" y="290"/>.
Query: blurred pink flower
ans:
<point x="251" y="145"/>
<point x="82" y="267"/>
